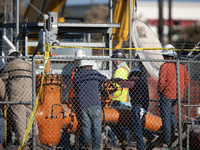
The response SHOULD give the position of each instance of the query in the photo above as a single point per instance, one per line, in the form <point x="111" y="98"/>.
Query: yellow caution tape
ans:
<point x="46" y="57"/>
<point x="5" y="118"/>
<point x="146" y="48"/>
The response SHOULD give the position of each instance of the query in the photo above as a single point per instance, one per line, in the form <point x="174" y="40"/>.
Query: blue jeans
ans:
<point x="137" y="128"/>
<point x="167" y="116"/>
<point x="122" y="133"/>
<point x="91" y="125"/>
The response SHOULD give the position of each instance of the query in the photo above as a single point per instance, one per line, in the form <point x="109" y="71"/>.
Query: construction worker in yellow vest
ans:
<point x="121" y="101"/>
<point x="121" y="71"/>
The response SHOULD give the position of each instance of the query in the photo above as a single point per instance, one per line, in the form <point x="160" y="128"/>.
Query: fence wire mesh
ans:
<point x="99" y="107"/>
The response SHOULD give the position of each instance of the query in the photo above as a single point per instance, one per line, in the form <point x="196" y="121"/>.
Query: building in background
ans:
<point x="183" y="13"/>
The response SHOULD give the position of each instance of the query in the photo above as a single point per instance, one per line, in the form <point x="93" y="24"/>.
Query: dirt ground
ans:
<point x="133" y="147"/>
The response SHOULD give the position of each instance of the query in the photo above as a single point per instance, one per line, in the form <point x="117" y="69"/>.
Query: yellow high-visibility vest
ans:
<point x="122" y="72"/>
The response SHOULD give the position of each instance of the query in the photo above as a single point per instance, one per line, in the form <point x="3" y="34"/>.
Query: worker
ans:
<point x="2" y="90"/>
<point x="2" y="95"/>
<point x="121" y="71"/>
<point x="78" y="53"/>
<point x="139" y="93"/>
<point x="2" y="87"/>
<point x="167" y="89"/>
<point x="121" y="101"/>
<point x="72" y="97"/>
<point x="2" y="65"/>
<point x="17" y="77"/>
<point x="86" y="84"/>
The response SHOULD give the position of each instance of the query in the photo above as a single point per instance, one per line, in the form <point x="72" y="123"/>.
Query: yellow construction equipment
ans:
<point x="121" y="15"/>
<point x="43" y="6"/>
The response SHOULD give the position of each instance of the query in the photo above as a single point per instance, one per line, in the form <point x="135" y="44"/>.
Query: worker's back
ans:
<point x="17" y="76"/>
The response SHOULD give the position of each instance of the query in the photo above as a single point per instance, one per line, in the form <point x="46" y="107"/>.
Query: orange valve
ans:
<point x="52" y="116"/>
<point x="111" y="88"/>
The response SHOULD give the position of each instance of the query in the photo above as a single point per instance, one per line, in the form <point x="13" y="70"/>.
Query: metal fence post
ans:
<point x="1" y="45"/>
<point x="34" y="99"/>
<point x="110" y="36"/>
<point x="179" y="104"/>
<point x="188" y="108"/>
<point x="130" y="39"/>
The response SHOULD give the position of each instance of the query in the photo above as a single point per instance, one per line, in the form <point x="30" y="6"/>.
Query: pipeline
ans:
<point x="52" y="115"/>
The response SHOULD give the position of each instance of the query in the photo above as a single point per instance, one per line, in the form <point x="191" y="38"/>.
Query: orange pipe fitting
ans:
<point x="51" y="115"/>
<point x="152" y="122"/>
<point x="110" y="115"/>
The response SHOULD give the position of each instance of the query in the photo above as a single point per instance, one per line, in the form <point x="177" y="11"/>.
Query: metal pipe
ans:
<point x="14" y="103"/>
<point x="170" y="21"/>
<point x="179" y="103"/>
<point x="5" y="8"/>
<point x="135" y="17"/>
<point x="110" y="36"/>
<point x="25" y="36"/>
<point x="188" y="108"/>
<point x="89" y="37"/>
<point x="154" y="100"/>
<point x="191" y="105"/>
<point x="130" y="39"/>
<point x="11" y="20"/>
<point x="17" y="26"/>
<point x="188" y="92"/>
<point x="1" y="44"/>
<point x="160" y="23"/>
<point x="8" y="42"/>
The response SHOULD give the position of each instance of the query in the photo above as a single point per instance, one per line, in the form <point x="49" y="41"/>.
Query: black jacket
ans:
<point x="138" y="91"/>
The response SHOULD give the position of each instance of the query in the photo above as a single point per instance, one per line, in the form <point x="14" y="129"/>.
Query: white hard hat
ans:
<point x="86" y="63"/>
<point x="10" y="51"/>
<point x="2" y="64"/>
<point x="169" y="51"/>
<point x="80" y="53"/>
<point x="56" y="42"/>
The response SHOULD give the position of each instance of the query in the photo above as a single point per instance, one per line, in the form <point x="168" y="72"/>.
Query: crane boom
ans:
<point x="44" y="6"/>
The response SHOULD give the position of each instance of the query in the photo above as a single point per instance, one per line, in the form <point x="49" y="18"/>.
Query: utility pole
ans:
<point x="170" y="21"/>
<point x="160" y="22"/>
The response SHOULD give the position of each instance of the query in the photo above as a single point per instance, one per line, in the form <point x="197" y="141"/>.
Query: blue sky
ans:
<point x="82" y="2"/>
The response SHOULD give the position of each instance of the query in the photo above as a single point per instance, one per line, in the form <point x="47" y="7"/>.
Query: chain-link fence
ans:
<point x="103" y="107"/>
